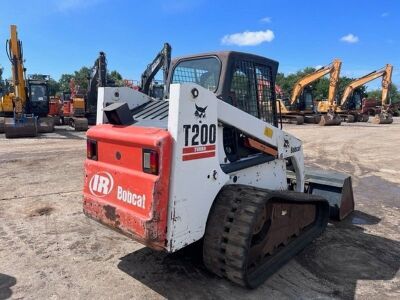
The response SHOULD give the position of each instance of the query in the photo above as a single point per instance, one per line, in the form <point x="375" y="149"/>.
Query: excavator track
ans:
<point x="252" y="232"/>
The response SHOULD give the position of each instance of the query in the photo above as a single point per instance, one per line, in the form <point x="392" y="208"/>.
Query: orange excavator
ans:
<point x="352" y="104"/>
<point x="73" y="112"/>
<point x="300" y="107"/>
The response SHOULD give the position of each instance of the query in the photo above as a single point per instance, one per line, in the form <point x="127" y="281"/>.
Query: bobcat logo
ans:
<point x="200" y="112"/>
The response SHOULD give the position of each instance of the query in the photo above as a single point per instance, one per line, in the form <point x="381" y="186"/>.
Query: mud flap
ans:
<point x="333" y="186"/>
<point x="46" y="125"/>
<point x="27" y="127"/>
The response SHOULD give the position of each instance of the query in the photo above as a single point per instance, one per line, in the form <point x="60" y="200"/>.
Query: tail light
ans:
<point x="91" y="149"/>
<point x="150" y="161"/>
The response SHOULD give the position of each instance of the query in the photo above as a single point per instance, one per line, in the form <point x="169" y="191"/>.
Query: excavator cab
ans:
<point x="38" y="95"/>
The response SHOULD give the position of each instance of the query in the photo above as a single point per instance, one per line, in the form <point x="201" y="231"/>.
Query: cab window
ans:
<point x="203" y="71"/>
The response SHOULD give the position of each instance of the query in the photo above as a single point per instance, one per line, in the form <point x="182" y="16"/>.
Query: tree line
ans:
<point x="81" y="78"/>
<point x="320" y="88"/>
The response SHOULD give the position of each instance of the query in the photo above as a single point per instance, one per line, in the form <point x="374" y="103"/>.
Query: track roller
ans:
<point x="252" y="232"/>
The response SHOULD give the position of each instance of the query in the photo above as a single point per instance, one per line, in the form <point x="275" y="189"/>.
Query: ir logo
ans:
<point x="101" y="184"/>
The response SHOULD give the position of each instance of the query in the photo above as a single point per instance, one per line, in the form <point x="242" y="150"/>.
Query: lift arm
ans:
<point x="333" y="68"/>
<point x="385" y="73"/>
<point x="162" y="60"/>
<point x="15" y="55"/>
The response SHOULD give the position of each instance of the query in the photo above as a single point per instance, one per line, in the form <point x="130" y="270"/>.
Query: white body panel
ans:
<point x="109" y="95"/>
<point x="195" y="183"/>
<point x="196" y="174"/>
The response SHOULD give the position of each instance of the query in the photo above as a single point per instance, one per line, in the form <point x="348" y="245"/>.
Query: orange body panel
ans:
<point x="67" y="108"/>
<point x="55" y="107"/>
<point x="118" y="193"/>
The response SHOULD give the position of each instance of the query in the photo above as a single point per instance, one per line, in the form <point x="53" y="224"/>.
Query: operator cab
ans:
<point x="243" y="80"/>
<point x="38" y="93"/>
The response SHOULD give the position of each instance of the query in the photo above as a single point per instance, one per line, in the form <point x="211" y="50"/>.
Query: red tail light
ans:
<point x="91" y="149"/>
<point x="150" y="161"/>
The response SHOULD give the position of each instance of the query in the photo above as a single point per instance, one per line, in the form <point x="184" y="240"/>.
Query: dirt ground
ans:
<point x="49" y="249"/>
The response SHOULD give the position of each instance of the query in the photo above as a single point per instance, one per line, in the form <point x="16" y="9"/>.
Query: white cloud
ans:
<point x="266" y="20"/>
<point x="385" y="14"/>
<point x="350" y="38"/>
<point x="67" y="5"/>
<point x="248" y="38"/>
<point x="318" y="67"/>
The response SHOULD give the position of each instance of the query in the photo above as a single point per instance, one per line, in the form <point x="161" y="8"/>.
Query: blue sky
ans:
<point x="61" y="36"/>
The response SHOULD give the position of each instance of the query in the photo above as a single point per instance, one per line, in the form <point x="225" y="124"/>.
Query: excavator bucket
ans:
<point x="46" y="125"/>
<point x="383" y="118"/>
<point x="333" y="186"/>
<point x="330" y="120"/>
<point x="27" y="127"/>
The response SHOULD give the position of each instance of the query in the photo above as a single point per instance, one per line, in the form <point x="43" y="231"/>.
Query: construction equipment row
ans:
<point x="301" y="107"/>
<point x="26" y="107"/>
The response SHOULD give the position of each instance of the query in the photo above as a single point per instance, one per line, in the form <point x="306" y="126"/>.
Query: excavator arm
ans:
<point x="386" y="82"/>
<point x="385" y="73"/>
<point x="98" y="78"/>
<point x="15" y="55"/>
<point x="333" y="68"/>
<point x="162" y="60"/>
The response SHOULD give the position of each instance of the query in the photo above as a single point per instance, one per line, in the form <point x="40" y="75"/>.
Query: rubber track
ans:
<point x="230" y="226"/>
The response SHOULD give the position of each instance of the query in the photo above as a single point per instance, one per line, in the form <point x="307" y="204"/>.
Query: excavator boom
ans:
<point x="21" y="125"/>
<point x="333" y="68"/>
<point x="385" y="73"/>
<point x="162" y="60"/>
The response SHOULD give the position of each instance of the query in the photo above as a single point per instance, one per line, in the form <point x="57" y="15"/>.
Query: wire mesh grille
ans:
<point x="203" y="71"/>
<point x="252" y="90"/>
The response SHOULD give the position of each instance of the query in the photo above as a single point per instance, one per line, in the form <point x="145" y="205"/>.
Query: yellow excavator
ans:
<point x="300" y="107"/>
<point x="328" y="108"/>
<point x="352" y="104"/>
<point x="27" y="100"/>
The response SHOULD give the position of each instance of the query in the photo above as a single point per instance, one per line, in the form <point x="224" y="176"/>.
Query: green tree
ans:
<point x="114" y="78"/>
<point x="64" y="82"/>
<point x="394" y="94"/>
<point x="82" y="78"/>
<point x="54" y="87"/>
